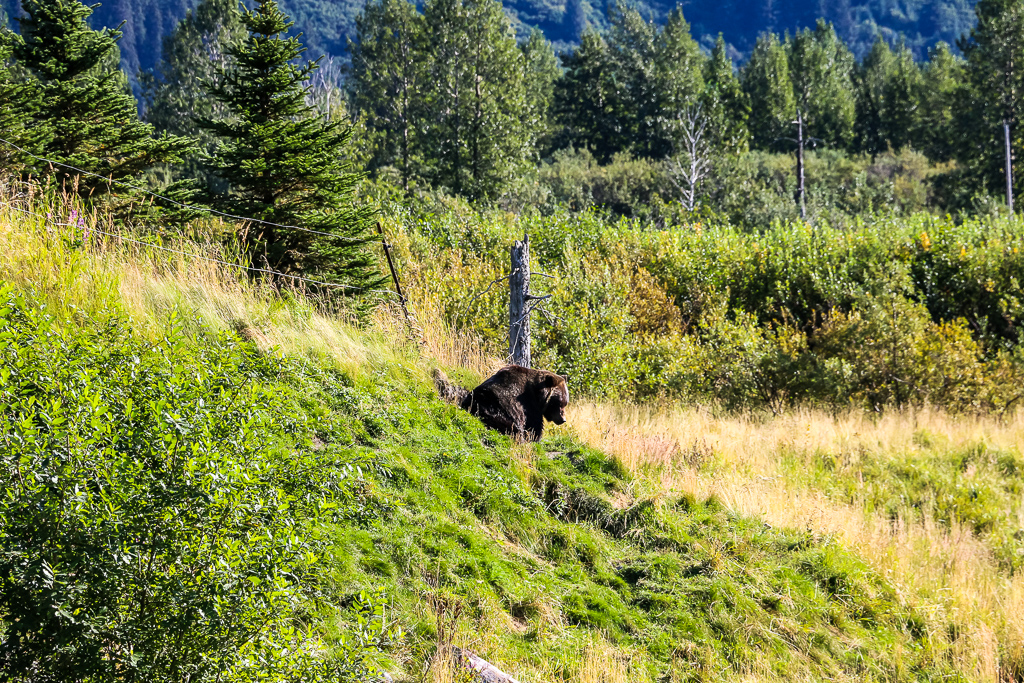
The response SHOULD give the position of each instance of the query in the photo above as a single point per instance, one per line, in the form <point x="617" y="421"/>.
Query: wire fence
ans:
<point x="190" y="207"/>
<point x="253" y="269"/>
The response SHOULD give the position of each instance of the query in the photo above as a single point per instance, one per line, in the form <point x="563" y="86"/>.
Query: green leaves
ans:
<point x="159" y="509"/>
<point x="90" y="118"/>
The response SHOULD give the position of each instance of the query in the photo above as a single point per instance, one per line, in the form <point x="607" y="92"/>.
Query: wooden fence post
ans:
<point x="519" y="296"/>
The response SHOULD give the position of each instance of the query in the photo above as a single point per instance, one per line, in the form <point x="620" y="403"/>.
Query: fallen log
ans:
<point x="484" y="670"/>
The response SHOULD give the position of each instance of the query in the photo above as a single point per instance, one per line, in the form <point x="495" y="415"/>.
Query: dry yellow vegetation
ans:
<point x="947" y="570"/>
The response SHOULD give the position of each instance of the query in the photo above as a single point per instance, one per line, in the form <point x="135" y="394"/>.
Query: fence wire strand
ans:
<point x="123" y="238"/>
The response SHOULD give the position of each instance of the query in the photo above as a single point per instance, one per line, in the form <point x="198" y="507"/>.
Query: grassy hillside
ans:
<point x="630" y="545"/>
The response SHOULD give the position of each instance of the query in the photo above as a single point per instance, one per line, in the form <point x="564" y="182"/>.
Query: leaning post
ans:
<point x="519" y="296"/>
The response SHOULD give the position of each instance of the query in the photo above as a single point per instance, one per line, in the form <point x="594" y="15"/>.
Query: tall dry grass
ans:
<point x="64" y="258"/>
<point x="947" y="572"/>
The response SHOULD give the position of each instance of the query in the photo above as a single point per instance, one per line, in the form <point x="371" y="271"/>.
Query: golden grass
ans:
<point x="948" y="573"/>
<point x="77" y="271"/>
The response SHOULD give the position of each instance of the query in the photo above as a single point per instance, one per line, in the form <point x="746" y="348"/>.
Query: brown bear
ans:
<point x="514" y="400"/>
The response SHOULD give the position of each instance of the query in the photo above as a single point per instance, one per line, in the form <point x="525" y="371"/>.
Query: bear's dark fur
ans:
<point x="514" y="400"/>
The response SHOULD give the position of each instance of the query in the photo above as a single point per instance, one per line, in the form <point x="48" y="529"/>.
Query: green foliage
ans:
<point x="283" y="161"/>
<point x="174" y="92"/>
<point x="19" y="98"/>
<point x="768" y="84"/>
<point x="943" y="78"/>
<point x="993" y="51"/>
<point x="821" y="68"/>
<point x="85" y="106"/>
<point x="388" y="76"/>
<point x="477" y="95"/>
<point x="542" y="73"/>
<point x="161" y="510"/>
<point x="449" y="96"/>
<point x="588" y="102"/>
<point x="726" y="104"/>
<point x="891" y="312"/>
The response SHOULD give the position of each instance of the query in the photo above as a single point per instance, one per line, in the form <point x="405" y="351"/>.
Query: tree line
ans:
<point x="449" y="98"/>
<point x="649" y="90"/>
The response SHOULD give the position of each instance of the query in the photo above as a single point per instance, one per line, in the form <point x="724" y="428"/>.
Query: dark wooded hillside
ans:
<point x="326" y="24"/>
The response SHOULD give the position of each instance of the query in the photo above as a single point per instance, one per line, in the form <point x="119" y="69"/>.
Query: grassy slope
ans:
<point x="554" y="561"/>
<point x="547" y="548"/>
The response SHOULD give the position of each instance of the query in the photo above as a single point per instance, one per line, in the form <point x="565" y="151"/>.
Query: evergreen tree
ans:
<point x="767" y="83"/>
<point x="821" y="68"/>
<point x="476" y="96"/>
<point x="678" y="81"/>
<point x="19" y="100"/>
<point x="540" y="74"/>
<point x="85" y="103"/>
<point x="942" y="80"/>
<point x="725" y="102"/>
<point x="175" y="94"/>
<point x="994" y="51"/>
<point x="589" y="100"/>
<point x="388" y="79"/>
<point x="282" y="161"/>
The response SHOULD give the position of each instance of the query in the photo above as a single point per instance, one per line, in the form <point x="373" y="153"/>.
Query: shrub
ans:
<point x="159" y="506"/>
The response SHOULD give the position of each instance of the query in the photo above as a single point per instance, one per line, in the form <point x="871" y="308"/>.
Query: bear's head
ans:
<point x="556" y="398"/>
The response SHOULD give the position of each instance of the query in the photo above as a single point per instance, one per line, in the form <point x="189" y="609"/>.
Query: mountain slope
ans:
<point x="326" y="24"/>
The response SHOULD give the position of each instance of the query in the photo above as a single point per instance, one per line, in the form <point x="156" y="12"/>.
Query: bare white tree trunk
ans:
<point x="518" y="311"/>
<point x="691" y="164"/>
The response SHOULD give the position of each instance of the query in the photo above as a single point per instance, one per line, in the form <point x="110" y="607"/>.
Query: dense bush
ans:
<point x="161" y="511"/>
<point x="754" y="190"/>
<point x="887" y="312"/>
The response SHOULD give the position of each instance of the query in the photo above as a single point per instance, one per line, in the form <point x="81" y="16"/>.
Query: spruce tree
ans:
<point x="283" y="162"/>
<point x="767" y="82"/>
<point x="85" y="105"/>
<point x="19" y="100"/>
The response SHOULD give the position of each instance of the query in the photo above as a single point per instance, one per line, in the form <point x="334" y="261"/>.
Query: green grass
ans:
<point x="544" y="548"/>
<point x="533" y="556"/>
<point x="551" y="553"/>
